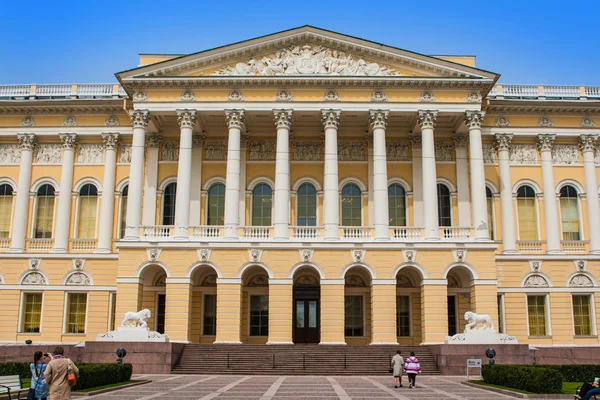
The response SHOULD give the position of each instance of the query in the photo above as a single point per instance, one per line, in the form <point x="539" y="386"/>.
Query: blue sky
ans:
<point x="527" y="41"/>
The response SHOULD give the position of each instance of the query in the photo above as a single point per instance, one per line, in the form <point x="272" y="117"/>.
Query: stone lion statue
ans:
<point x="140" y="318"/>
<point x="475" y="319"/>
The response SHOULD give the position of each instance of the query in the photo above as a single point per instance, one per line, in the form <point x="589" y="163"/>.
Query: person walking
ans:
<point x="56" y="375"/>
<point x="412" y="369"/>
<point x="397" y="365"/>
<point x="39" y="388"/>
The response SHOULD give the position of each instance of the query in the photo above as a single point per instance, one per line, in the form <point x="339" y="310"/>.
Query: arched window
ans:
<point x="123" y="221"/>
<point x="526" y="209"/>
<point x="168" y="216"/>
<point x="444" y="205"/>
<point x="490" y="210"/>
<point x="307" y="205"/>
<point x="88" y="209"/>
<point x="262" y="199"/>
<point x="44" y="213"/>
<point x="6" y="201"/>
<point x="216" y="205"/>
<point x="569" y="213"/>
<point x="351" y="205"/>
<point x="397" y="205"/>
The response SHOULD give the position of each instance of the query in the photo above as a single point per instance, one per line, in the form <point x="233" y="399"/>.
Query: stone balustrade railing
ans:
<point x="83" y="245"/>
<point x="156" y="232"/>
<point x="83" y="91"/>
<point x="574" y="246"/>
<point x="356" y="232"/>
<point x="39" y="244"/>
<point x="406" y="233"/>
<point x="4" y="243"/>
<point x="256" y="232"/>
<point x="530" y="246"/>
<point x="548" y="92"/>
<point x="206" y="232"/>
<point x="307" y="232"/>
<point x="455" y="232"/>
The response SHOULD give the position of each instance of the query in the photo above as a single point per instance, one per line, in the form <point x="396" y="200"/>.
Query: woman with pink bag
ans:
<point x="412" y="368"/>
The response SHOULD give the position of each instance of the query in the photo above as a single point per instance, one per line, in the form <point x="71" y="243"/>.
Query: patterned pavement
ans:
<point x="202" y="387"/>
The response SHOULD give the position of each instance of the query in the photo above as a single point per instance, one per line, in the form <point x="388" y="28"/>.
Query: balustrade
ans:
<point x="406" y="233"/>
<point x="83" y="245"/>
<point x="206" y="232"/>
<point x="98" y="90"/>
<point x="356" y="232"/>
<point x="574" y="246"/>
<point x="256" y="232"/>
<point x="455" y="233"/>
<point x="530" y="246"/>
<point x="306" y="232"/>
<point x="156" y="232"/>
<point x="4" y="244"/>
<point x="40" y="244"/>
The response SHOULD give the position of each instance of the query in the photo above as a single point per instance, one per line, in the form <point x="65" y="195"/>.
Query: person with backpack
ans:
<point x="60" y="375"/>
<point x="397" y="364"/>
<point x="585" y="393"/>
<point x="412" y="368"/>
<point x="39" y="388"/>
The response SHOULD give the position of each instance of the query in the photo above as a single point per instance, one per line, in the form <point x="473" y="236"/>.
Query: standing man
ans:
<point x="56" y="375"/>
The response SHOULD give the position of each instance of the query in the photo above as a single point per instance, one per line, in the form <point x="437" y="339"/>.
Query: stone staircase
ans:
<point x="296" y="359"/>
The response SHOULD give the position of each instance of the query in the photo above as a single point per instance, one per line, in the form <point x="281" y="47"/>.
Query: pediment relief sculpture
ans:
<point x="581" y="280"/>
<point x="78" y="279"/>
<point x="308" y="60"/>
<point x="536" y="281"/>
<point x="34" y="278"/>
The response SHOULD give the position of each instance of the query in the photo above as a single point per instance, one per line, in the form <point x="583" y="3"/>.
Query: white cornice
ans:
<point x="55" y="256"/>
<point x="79" y="130"/>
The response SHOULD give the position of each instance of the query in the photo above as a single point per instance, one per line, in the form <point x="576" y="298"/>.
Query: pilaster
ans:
<point x="178" y="310"/>
<point x="383" y="314"/>
<point x="332" y="317"/>
<point x="229" y="324"/>
<point x="280" y="313"/>
<point x="545" y="144"/>
<point x="434" y="312"/>
<point x="111" y="143"/>
<point x="63" y="220"/>
<point x="27" y="142"/>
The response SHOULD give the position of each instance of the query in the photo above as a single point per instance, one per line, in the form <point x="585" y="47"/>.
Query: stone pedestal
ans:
<point x="132" y="334"/>
<point x="481" y="337"/>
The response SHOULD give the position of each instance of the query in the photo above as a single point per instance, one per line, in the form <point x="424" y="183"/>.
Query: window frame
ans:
<point x="122" y="227"/>
<point x="592" y="316"/>
<point x="297" y="205"/>
<point x="21" y="321"/>
<point x="12" y="206"/>
<point x="66" y="313"/>
<point x="491" y="211"/>
<point x="577" y="198"/>
<point x="364" y="328"/>
<point x="450" y="203"/>
<point x="35" y="210"/>
<point x="112" y="309"/>
<point x="501" y="313"/>
<point x="536" y="206"/>
<point x="405" y="199"/>
<point x="202" y="332"/>
<point x="548" y="326"/>
<point x="78" y="210"/>
<point x="166" y="184"/>
<point x="207" y="214"/>
<point x="256" y="185"/>
<point x="410" y="315"/>
<point x="250" y="296"/>
<point x="341" y="204"/>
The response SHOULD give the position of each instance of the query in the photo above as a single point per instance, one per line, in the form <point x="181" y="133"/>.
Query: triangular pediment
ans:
<point x="301" y="52"/>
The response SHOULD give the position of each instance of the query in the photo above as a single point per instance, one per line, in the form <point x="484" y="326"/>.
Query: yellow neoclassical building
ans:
<point x="301" y="187"/>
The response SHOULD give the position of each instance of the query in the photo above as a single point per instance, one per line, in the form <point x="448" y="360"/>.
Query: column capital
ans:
<point x="427" y="118"/>
<point x="198" y="141"/>
<point x="503" y="141"/>
<point x="111" y="140"/>
<point x="331" y="118"/>
<point x="139" y="118"/>
<point x="378" y="118"/>
<point x="588" y="143"/>
<point x="545" y="141"/>
<point x="153" y="140"/>
<point x="282" y="118"/>
<point x="235" y="119"/>
<point x="27" y="141"/>
<point x="415" y="141"/>
<point x="186" y="118"/>
<point x="474" y="119"/>
<point x="69" y="140"/>
<point x="460" y="140"/>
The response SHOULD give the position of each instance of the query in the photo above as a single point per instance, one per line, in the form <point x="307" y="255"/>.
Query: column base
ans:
<point x="384" y="344"/>
<point x="278" y="343"/>
<point x="226" y="342"/>
<point x="58" y="250"/>
<point x="333" y="343"/>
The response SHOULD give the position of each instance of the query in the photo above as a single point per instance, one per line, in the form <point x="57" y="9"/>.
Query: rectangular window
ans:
<point x="113" y="312"/>
<point x="209" y="326"/>
<point x="500" y="313"/>
<point x="86" y="226"/>
<point x="536" y="309"/>
<point x="402" y="316"/>
<point x="582" y="315"/>
<point x="569" y="216"/>
<point x="161" y="305"/>
<point x="44" y="217"/>
<point x="5" y="215"/>
<point x="259" y="315"/>
<point x="32" y="312"/>
<point x="76" y="312"/>
<point x="123" y="222"/>
<point x="490" y="211"/>
<point x="527" y="218"/>
<point x="354" y="316"/>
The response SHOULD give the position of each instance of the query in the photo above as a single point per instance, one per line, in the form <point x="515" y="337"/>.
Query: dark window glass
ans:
<point x="169" y="204"/>
<point x="351" y="205"/>
<point x="354" y="316"/>
<point x="123" y="222"/>
<point x="569" y="213"/>
<point x="452" y="329"/>
<point x="262" y="199"/>
<point x="209" y="325"/>
<point x="160" y="313"/>
<point x="402" y="316"/>
<point x="397" y="205"/>
<point x="216" y="204"/>
<point x="444" y="207"/>
<point x="307" y="205"/>
<point x="259" y="315"/>
<point x="490" y="210"/>
<point x="45" y="212"/>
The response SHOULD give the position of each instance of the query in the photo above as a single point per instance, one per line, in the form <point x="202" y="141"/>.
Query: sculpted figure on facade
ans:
<point x="48" y="154"/>
<point x="283" y="95"/>
<point x="581" y="280"/>
<point x="28" y="121"/>
<point x="307" y="60"/>
<point x="587" y="122"/>
<point x="34" y="278"/>
<point x="306" y="151"/>
<point x="379" y="97"/>
<point x="443" y="151"/>
<point x="331" y="95"/>
<point x="235" y="95"/>
<point x="545" y="122"/>
<point x="188" y="95"/>
<point x="216" y="150"/>
<point x="351" y="151"/>
<point x="478" y="322"/>
<point x="502" y="121"/>
<point x="112" y="121"/>
<point x="140" y="96"/>
<point x="140" y="318"/>
<point x="474" y="97"/>
<point x="90" y="153"/>
<point x="125" y="154"/>
<point x="169" y="151"/>
<point x="565" y="154"/>
<point x="536" y="281"/>
<point x="70" y="121"/>
<point x="489" y="153"/>
<point x="426" y="97"/>
<point x="78" y="279"/>
<point x="262" y="150"/>
<point x="397" y="151"/>
<point x="10" y="154"/>
<point x="523" y="154"/>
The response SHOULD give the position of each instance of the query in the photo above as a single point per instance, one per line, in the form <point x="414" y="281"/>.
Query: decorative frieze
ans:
<point x="216" y="150"/>
<point x="28" y="121"/>
<point x="379" y="97"/>
<point x="188" y="95"/>
<point x="140" y="96"/>
<point x="48" y="153"/>
<point x="474" y="97"/>
<point x="284" y="95"/>
<point x="78" y="279"/>
<point x="545" y="122"/>
<point x="34" y="278"/>
<point x="90" y="153"/>
<point x="502" y="121"/>
<point x="308" y="60"/>
<point x="235" y="95"/>
<point x="587" y="122"/>
<point x="581" y="280"/>
<point x="112" y="121"/>
<point x="565" y="154"/>
<point x="397" y="151"/>
<point x="262" y="150"/>
<point x="10" y="154"/>
<point x="444" y="151"/>
<point x="306" y="150"/>
<point x="426" y="97"/>
<point x="525" y="154"/>
<point x="331" y="95"/>
<point x="169" y="151"/>
<point x="351" y="150"/>
<point x="125" y="154"/>
<point x="70" y="121"/>
<point x="415" y="141"/>
<point x="535" y="281"/>
<point x="489" y="153"/>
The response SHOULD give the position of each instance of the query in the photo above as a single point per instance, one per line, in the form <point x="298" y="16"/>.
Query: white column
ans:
<point x="587" y="143"/>
<point x="63" y="220"/>
<point x="187" y="120"/>
<point x="474" y="119"/>
<point x="417" y="173"/>
<point x="139" y="118"/>
<point x="378" y="121"/>
<point x="243" y="145"/>
<point x="196" y="185"/>
<point x="235" y="122"/>
<point x="281" y="219"/>
<point x="331" y="194"/>
<point x="509" y="244"/>
<point x="27" y="145"/>
<point x="427" y="120"/>
<point x="462" y="180"/>
<point x="371" y="201"/>
<point x="545" y="143"/>
<point x="111" y="142"/>
<point x="150" y="179"/>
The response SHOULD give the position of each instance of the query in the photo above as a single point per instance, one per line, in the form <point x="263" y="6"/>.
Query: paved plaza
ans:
<point x="297" y="387"/>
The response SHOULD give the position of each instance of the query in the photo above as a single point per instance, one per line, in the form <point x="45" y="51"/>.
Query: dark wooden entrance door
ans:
<point x="306" y="315"/>
<point x="452" y="321"/>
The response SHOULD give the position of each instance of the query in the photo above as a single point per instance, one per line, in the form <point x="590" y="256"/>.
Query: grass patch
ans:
<point x="26" y="382"/>
<point x="92" y="389"/>
<point x="567" y="387"/>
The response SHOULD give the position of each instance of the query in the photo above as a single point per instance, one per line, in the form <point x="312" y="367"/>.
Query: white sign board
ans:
<point x="473" y="363"/>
